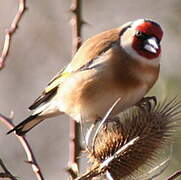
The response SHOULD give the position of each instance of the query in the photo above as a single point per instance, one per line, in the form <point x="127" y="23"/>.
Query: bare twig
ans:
<point x="74" y="146"/>
<point x="175" y="175"/>
<point x="7" y="42"/>
<point x="9" y="32"/>
<point x="76" y="23"/>
<point x="6" y="173"/>
<point x="27" y="148"/>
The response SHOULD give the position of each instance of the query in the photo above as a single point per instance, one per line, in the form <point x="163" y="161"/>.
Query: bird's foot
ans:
<point x="146" y="103"/>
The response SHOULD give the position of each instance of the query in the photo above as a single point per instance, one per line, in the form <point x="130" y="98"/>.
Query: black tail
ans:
<point x="26" y="125"/>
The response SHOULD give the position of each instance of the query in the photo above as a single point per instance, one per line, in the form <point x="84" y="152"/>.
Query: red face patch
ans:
<point x="150" y="29"/>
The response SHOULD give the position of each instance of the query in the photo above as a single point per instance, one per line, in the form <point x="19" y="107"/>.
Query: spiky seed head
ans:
<point x="153" y="128"/>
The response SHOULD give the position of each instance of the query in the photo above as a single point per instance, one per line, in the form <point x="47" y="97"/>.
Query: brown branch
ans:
<point x="27" y="148"/>
<point x="6" y="173"/>
<point x="175" y="175"/>
<point x="9" y="32"/>
<point x="74" y="145"/>
<point x="76" y="23"/>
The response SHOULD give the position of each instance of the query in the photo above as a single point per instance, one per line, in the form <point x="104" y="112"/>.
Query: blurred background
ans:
<point x="42" y="46"/>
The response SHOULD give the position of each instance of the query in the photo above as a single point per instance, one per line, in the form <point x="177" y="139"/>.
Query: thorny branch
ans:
<point x="27" y="148"/>
<point x="6" y="173"/>
<point x="9" y="32"/>
<point x="74" y="145"/>
<point x="76" y="23"/>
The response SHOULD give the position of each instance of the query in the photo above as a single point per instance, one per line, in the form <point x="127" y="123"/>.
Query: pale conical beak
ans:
<point x="151" y="45"/>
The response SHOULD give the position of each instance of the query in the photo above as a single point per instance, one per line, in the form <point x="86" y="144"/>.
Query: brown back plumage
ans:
<point x="88" y="51"/>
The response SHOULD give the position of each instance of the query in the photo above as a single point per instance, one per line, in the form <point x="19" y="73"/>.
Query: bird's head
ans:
<point x="141" y="40"/>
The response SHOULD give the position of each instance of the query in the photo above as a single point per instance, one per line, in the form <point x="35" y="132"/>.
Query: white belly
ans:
<point x="89" y="103"/>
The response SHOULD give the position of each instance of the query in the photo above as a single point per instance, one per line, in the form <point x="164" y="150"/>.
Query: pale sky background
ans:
<point x="42" y="46"/>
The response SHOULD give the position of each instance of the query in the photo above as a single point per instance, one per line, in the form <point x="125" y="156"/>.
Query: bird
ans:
<point x="123" y="62"/>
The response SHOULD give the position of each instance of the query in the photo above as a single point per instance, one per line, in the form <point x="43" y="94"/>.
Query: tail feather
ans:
<point x="46" y="111"/>
<point x="22" y="128"/>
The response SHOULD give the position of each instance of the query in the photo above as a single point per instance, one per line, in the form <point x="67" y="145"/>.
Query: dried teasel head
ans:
<point x="124" y="146"/>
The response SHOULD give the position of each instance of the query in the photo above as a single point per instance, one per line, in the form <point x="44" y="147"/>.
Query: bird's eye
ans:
<point x="139" y="34"/>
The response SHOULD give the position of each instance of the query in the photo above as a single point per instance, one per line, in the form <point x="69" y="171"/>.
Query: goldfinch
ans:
<point x="119" y="63"/>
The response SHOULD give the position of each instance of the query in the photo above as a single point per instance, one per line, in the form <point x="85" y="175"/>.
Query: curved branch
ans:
<point x="27" y="148"/>
<point x="9" y="32"/>
<point x="175" y="175"/>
